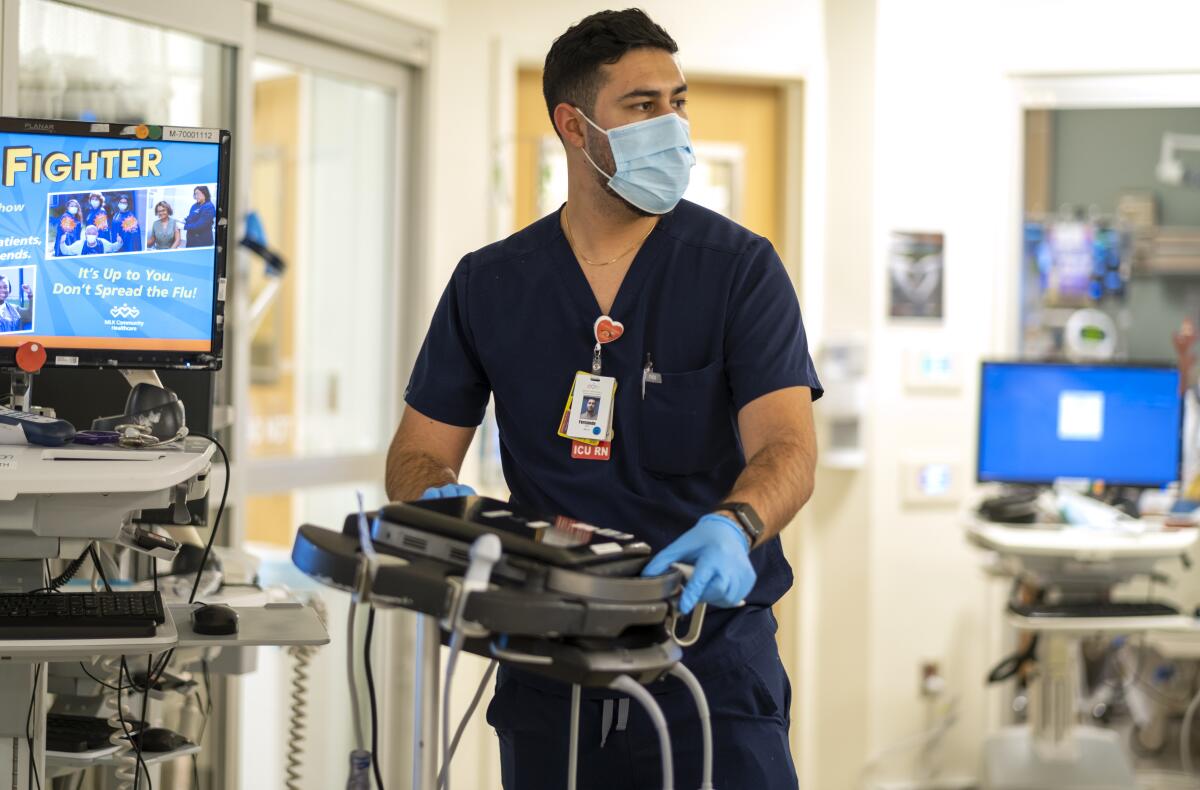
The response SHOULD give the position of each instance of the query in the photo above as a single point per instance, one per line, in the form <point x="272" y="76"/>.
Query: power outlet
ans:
<point x="932" y="682"/>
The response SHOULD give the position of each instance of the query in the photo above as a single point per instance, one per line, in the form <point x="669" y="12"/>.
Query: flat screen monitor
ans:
<point x="113" y="243"/>
<point x="1041" y="422"/>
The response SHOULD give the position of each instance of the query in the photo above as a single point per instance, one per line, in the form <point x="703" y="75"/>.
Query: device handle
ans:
<point x="693" y="632"/>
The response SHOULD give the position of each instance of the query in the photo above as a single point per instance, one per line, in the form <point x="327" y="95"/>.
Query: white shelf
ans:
<point x="1080" y="543"/>
<point x="279" y="624"/>
<point x="30" y="471"/>
<point x="1108" y="625"/>
<point x="78" y="761"/>
<point x="38" y="650"/>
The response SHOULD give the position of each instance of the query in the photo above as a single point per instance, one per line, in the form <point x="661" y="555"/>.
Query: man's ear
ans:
<point x="569" y="125"/>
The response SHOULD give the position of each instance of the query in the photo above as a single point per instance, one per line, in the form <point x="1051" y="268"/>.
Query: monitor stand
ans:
<point x="136" y="377"/>
<point x="21" y="389"/>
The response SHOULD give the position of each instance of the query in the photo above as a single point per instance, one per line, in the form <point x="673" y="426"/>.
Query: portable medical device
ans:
<point x="551" y="595"/>
<point x="22" y="427"/>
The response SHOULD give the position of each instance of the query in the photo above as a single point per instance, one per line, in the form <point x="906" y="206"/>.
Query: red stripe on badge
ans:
<point x="591" y="452"/>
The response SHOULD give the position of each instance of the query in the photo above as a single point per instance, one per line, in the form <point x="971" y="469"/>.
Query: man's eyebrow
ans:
<point x="651" y="93"/>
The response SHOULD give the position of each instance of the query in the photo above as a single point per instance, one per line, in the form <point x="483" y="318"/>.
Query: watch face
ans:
<point x="746" y="517"/>
<point x="750" y="519"/>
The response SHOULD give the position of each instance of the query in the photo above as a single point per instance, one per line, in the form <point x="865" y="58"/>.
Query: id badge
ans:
<point x="589" y="416"/>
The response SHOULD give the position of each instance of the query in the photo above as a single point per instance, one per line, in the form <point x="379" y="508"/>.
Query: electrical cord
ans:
<point x="96" y="679"/>
<point x="299" y="696"/>
<point x="99" y="567"/>
<point x="127" y="766"/>
<point x="462" y="724"/>
<point x="68" y="573"/>
<point x="1011" y="665"/>
<point x="1185" y="734"/>
<point x="360" y="760"/>
<point x="629" y="686"/>
<point x="929" y="736"/>
<point x="140" y="765"/>
<point x="484" y="553"/>
<point x="456" y="640"/>
<point x="217" y="521"/>
<point x="356" y="714"/>
<point x="296" y="725"/>
<point x="33" y="772"/>
<point x="371" y="696"/>
<point x="693" y="685"/>
<point x="145" y="709"/>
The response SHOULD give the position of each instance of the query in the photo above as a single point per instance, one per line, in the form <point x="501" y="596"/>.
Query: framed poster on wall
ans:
<point x="916" y="275"/>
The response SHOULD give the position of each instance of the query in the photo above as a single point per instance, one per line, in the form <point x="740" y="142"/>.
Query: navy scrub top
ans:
<point x="707" y="301"/>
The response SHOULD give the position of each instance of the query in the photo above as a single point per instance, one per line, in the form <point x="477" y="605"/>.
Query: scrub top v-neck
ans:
<point x="706" y="302"/>
<point x="576" y="283"/>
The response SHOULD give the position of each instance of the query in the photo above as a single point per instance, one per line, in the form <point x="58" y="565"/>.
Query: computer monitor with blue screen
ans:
<point x="1041" y="422"/>
<point x="112" y="243"/>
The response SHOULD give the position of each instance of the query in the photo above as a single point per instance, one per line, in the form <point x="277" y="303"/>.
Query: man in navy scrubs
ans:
<point x="712" y="448"/>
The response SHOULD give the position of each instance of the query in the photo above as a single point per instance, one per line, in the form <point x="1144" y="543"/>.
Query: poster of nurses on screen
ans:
<point x="107" y="243"/>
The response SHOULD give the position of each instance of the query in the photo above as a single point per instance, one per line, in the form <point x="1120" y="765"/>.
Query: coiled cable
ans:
<point x="303" y="654"/>
<point x="67" y="574"/>
<point x="126" y="760"/>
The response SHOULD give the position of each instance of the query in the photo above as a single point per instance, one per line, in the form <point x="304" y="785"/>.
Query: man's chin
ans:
<point x="632" y="209"/>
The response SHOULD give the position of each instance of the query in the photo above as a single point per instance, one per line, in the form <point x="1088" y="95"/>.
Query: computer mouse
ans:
<point x="215" y="619"/>
<point x="160" y="739"/>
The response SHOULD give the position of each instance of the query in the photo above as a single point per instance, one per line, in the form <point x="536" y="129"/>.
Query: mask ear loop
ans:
<point x="588" y="156"/>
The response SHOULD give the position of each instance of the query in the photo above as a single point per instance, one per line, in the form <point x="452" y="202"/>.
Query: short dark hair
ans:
<point x="204" y="190"/>
<point x="572" y="72"/>
<point x="166" y="205"/>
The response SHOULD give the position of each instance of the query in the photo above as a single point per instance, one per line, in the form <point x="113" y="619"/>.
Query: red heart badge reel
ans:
<point x="607" y="330"/>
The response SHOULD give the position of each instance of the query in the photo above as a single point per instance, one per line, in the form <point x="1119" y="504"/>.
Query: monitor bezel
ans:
<point x="68" y="357"/>
<point x="1128" y="365"/>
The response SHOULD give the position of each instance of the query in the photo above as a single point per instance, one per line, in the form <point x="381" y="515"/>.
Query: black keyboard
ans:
<point x="1095" y="609"/>
<point x="74" y="734"/>
<point x="100" y="615"/>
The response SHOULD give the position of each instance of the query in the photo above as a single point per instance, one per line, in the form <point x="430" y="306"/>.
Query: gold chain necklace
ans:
<point x="589" y="261"/>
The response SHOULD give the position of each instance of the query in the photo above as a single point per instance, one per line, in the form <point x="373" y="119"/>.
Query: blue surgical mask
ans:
<point x="653" y="159"/>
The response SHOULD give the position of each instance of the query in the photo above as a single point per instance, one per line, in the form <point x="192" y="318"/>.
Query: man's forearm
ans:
<point x="777" y="482"/>
<point x="410" y="472"/>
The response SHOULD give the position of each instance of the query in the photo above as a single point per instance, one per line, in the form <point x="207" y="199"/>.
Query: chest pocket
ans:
<point x="685" y="422"/>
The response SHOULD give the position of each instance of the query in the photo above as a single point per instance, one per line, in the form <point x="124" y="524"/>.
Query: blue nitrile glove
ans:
<point x="447" y="491"/>
<point x="720" y="552"/>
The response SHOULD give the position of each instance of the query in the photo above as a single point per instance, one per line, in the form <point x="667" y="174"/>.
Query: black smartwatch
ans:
<point x="746" y="518"/>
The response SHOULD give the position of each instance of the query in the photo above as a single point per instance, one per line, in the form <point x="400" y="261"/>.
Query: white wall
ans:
<point x="426" y="13"/>
<point x="946" y="155"/>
